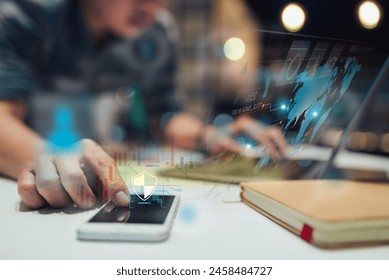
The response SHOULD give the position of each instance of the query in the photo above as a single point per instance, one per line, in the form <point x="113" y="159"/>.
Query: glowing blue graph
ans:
<point x="315" y="94"/>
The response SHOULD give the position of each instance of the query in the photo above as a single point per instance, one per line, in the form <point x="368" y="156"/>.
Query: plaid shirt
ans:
<point x="45" y="47"/>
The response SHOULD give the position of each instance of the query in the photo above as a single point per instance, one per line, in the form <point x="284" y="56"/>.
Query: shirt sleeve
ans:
<point x="167" y="102"/>
<point x="20" y="38"/>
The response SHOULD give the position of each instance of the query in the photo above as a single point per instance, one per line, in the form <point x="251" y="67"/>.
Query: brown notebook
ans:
<point x="326" y="213"/>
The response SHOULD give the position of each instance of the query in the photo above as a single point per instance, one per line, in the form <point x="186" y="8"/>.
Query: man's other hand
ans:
<point x="217" y="140"/>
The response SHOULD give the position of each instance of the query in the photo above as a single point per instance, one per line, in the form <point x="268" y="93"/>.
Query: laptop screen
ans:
<point x="306" y="83"/>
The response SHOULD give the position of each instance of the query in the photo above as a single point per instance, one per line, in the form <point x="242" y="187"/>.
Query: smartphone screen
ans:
<point x="152" y="211"/>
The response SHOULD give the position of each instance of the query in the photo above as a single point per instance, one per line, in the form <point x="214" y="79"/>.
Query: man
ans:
<point x="44" y="41"/>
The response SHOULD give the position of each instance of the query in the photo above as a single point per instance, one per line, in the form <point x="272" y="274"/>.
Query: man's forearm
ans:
<point x="18" y="143"/>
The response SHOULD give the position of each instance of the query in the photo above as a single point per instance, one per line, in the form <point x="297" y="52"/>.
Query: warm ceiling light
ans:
<point x="293" y="17"/>
<point x="369" y="14"/>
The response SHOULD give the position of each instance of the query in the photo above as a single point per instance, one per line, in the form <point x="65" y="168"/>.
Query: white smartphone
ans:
<point x="149" y="220"/>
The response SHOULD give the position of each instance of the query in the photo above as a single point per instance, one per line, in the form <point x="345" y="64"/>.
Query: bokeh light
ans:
<point x="187" y="213"/>
<point x="222" y="120"/>
<point x="293" y="17"/>
<point x="234" y="49"/>
<point x="369" y="14"/>
<point x="124" y="95"/>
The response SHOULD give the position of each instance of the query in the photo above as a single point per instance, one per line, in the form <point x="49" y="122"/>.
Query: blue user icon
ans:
<point x="63" y="136"/>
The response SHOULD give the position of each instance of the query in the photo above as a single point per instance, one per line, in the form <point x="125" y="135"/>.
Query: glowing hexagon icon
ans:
<point x="144" y="185"/>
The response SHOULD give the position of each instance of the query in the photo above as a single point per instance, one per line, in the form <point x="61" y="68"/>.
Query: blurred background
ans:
<point x="217" y="56"/>
<point x="209" y="79"/>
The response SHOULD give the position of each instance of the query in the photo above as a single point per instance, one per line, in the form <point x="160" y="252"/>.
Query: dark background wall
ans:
<point x="328" y="18"/>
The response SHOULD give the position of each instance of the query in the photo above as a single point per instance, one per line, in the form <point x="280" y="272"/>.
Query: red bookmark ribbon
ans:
<point x="306" y="233"/>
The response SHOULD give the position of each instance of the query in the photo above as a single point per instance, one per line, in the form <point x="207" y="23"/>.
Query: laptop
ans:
<point x="305" y="84"/>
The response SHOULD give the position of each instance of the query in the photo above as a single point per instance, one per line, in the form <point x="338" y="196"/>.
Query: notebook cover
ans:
<point x="326" y="202"/>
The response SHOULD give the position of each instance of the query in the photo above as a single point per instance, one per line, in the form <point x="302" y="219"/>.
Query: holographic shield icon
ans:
<point x="144" y="185"/>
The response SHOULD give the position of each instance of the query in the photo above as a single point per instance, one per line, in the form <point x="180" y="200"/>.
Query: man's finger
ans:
<point x="103" y="165"/>
<point x="271" y="137"/>
<point x="27" y="190"/>
<point x="260" y="135"/>
<point x="74" y="181"/>
<point x="270" y="147"/>
<point x="227" y="143"/>
<point x="278" y="137"/>
<point x="48" y="183"/>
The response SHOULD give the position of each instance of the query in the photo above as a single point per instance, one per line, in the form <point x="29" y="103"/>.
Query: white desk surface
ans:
<point x="206" y="227"/>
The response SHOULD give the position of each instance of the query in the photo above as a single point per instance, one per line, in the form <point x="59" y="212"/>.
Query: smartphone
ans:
<point x="149" y="220"/>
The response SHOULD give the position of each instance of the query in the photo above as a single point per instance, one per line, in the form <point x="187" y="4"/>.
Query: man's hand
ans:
<point x="59" y="179"/>
<point x="217" y="140"/>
